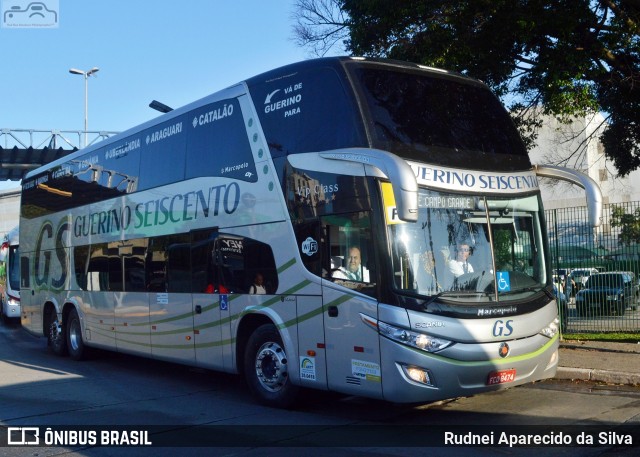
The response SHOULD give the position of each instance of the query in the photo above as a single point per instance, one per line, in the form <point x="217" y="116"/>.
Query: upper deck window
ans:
<point x="412" y="113"/>
<point x="306" y="110"/>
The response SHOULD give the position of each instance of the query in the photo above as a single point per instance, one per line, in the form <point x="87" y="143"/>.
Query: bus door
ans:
<point x="170" y="308"/>
<point x="209" y="300"/>
<point x="352" y="348"/>
<point x="127" y="281"/>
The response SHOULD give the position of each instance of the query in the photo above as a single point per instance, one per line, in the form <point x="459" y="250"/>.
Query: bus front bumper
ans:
<point x="415" y="376"/>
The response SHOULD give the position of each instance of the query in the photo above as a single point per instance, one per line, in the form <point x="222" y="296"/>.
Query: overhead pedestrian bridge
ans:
<point x="22" y="150"/>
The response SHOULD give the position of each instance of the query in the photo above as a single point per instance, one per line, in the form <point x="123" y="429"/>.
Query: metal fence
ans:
<point x="612" y="304"/>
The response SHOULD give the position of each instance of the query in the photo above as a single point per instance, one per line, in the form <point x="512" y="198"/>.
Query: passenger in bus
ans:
<point x="354" y="271"/>
<point x="257" y="288"/>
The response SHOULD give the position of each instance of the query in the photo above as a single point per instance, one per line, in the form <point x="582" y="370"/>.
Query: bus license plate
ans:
<point x="500" y="377"/>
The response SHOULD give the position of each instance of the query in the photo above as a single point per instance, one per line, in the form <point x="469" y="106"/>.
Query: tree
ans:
<point x="564" y="58"/>
<point x="629" y="225"/>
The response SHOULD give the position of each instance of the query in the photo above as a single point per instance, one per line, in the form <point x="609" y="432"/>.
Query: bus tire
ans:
<point x="55" y="335"/>
<point x="266" y="368"/>
<point x="75" y="343"/>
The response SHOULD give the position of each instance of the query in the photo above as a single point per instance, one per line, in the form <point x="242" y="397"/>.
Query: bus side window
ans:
<point x="349" y="250"/>
<point x="239" y="259"/>
<point x="81" y="264"/>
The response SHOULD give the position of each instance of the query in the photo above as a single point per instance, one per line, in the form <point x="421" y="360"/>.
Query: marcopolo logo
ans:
<point x="30" y="14"/>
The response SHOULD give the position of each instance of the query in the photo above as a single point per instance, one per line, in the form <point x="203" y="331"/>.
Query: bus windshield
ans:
<point x="14" y="268"/>
<point x="470" y="248"/>
<point x="416" y="113"/>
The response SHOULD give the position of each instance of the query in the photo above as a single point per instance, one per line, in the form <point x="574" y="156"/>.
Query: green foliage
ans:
<point x="570" y="57"/>
<point x="613" y="337"/>
<point x="629" y="224"/>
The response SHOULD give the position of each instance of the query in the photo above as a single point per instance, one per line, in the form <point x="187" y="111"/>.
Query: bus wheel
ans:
<point x="75" y="344"/>
<point x="55" y="334"/>
<point x="266" y="368"/>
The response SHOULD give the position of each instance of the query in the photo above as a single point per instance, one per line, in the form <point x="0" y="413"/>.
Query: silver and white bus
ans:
<point x="10" y="276"/>
<point x="343" y="187"/>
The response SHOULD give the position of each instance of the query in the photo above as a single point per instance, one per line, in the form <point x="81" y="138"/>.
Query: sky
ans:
<point x="172" y="51"/>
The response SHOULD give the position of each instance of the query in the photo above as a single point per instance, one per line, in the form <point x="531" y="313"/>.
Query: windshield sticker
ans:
<point x="504" y="281"/>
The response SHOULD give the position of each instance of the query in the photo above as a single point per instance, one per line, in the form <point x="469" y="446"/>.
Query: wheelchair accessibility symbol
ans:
<point x="504" y="281"/>
<point x="224" y="302"/>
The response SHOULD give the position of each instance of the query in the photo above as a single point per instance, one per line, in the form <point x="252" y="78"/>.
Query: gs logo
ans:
<point x="501" y="328"/>
<point x="46" y="244"/>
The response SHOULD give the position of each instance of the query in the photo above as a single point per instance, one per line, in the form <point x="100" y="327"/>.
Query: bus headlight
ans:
<point x="551" y="330"/>
<point x="419" y="375"/>
<point x="414" y="339"/>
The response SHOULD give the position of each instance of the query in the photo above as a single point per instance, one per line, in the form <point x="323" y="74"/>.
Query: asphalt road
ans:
<point x="178" y="407"/>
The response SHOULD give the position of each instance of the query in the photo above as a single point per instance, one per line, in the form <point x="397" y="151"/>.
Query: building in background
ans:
<point x="577" y="145"/>
<point x="9" y="209"/>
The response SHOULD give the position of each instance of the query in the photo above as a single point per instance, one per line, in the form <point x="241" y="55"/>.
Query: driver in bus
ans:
<point x="354" y="270"/>
<point x="458" y="266"/>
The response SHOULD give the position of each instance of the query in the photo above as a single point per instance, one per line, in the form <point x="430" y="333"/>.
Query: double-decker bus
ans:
<point x="347" y="191"/>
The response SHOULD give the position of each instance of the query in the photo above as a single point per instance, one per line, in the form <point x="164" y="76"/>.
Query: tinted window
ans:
<point x="40" y="196"/>
<point x="80" y="259"/>
<point x="168" y="264"/>
<point x="605" y="280"/>
<point x="217" y="143"/>
<point x="414" y="113"/>
<point x="310" y="193"/>
<point x="98" y="268"/>
<point x="306" y="111"/>
<point x="127" y="265"/>
<point x="240" y="259"/>
<point x="14" y="267"/>
<point x="163" y="153"/>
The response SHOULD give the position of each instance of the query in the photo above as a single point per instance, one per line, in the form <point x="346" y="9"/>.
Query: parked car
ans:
<point x="607" y="293"/>
<point x="581" y="275"/>
<point x="10" y="276"/>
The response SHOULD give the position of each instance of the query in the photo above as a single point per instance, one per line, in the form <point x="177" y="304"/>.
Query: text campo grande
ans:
<point x="537" y="439"/>
<point x="158" y="212"/>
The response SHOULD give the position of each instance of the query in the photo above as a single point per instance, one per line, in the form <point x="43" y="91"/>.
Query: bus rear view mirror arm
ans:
<point x="403" y="180"/>
<point x="594" y="194"/>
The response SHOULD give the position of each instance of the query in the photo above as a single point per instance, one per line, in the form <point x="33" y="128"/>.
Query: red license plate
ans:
<point x="500" y="377"/>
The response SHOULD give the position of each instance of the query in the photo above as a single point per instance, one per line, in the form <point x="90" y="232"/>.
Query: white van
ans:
<point x="10" y="276"/>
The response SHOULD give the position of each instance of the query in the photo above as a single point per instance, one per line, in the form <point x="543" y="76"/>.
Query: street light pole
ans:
<point x="86" y="75"/>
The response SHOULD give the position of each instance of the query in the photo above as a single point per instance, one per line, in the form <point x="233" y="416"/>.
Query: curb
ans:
<point x="610" y="377"/>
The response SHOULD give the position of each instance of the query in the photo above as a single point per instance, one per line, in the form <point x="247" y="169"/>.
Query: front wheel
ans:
<point x="55" y="334"/>
<point x="75" y="343"/>
<point x="266" y="368"/>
